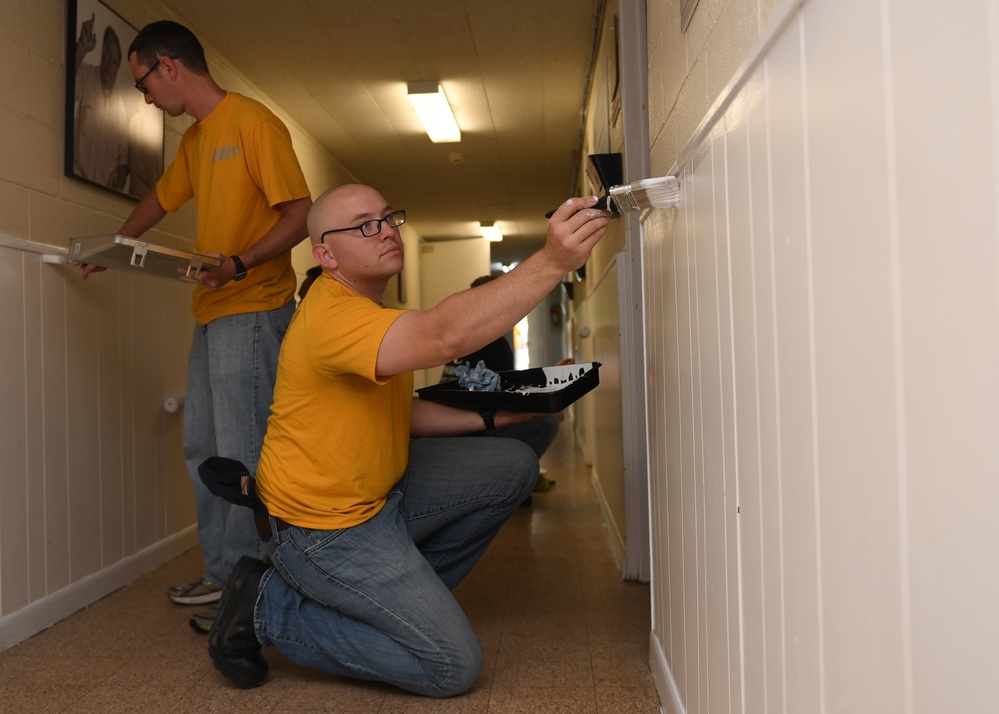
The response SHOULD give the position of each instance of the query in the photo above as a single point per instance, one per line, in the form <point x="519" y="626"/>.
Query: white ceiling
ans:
<point x="515" y="72"/>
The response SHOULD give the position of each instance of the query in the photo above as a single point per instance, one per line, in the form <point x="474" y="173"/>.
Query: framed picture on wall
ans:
<point x="113" y="138"/>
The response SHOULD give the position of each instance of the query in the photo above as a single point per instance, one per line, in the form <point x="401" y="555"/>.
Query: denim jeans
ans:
<point x="230" y="388"/>
<point x="538" y="433"/>
<point x="374" y="601"/>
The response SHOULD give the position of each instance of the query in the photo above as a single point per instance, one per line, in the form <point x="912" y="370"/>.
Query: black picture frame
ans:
<point x="114" y="140"/>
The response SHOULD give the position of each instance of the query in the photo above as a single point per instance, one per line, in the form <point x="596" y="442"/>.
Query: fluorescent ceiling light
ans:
<point x="431" y="105"/>
<point x="491" y="232"/>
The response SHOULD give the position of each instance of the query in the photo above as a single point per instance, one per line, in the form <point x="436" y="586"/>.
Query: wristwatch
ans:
<point x="488" y="418"/>
<point x="240" y="268"/>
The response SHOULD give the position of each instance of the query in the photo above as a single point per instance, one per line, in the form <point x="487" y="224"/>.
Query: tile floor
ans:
<point x="561" y="633"/>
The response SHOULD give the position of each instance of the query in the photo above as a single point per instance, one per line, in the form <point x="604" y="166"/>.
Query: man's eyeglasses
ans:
<point x="140" y="86"/>
<point x="373" y="227"/>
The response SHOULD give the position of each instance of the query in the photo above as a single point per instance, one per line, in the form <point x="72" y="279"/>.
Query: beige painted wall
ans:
<point x="596" y="418"/>
<point x="93" y="487"/>
<point x="446" y="268"/>
<point x="823" y="332"/>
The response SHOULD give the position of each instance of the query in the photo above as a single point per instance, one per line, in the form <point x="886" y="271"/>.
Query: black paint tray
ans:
<point x="544" y="390"/>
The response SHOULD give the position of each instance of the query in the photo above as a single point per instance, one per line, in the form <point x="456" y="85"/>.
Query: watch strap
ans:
<point x="240" y="268"/>
<point x="488" y="418"/>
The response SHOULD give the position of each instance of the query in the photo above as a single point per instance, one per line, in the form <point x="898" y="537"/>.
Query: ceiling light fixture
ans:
<point x="491" y="232"/>
<point x="434" y="111"/>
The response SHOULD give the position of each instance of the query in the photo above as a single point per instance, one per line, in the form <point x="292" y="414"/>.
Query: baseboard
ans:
<point x="615" y="537"/>
<point x="42" y="614"/>
<point x="662" y="677"/>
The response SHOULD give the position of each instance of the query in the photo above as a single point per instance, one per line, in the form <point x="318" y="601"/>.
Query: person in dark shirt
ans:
<point x="539" y="432"/>
<point x="497" y="355"/>
<point x="310" y="277"/>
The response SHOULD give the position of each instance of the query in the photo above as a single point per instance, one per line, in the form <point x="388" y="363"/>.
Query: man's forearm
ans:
<point x="147" y="214"/>
<point x="282" y="237"/>
<point x="470" y="319"/>
<point x="475" y="317"/>
<point x="431" y="419"/>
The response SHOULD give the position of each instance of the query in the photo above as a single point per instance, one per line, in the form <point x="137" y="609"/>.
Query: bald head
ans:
<point x="362" y="259"/>
<point x="341" y="207"/>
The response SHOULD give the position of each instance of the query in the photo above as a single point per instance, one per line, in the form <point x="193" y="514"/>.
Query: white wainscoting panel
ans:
<point x="93" y="486"/>
<point x="823" y="333"/>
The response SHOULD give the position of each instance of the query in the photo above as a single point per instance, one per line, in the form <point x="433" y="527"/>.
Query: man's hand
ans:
<point x="87" y="268"/>
<point x="88" y="38"/>
<point x="573" y="230"/>
<point x="214" y="278"/>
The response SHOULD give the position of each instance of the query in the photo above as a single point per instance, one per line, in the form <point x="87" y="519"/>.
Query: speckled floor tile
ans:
<point x="560" y="633"/>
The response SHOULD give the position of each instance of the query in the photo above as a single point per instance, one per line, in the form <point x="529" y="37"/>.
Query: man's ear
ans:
<point x="168" y="67"/>
<point x="321" y="252"/>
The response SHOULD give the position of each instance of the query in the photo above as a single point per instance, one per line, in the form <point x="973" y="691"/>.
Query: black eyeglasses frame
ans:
<point x="398" y="216"/>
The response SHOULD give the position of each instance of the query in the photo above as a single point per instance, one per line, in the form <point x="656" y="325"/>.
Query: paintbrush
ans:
<point x="660" y="192"/>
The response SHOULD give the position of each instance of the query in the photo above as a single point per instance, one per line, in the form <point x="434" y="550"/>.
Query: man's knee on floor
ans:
<point x="463" y="671"/>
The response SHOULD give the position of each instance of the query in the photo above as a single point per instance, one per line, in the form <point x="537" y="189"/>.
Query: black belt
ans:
<point x="264" y="526"/>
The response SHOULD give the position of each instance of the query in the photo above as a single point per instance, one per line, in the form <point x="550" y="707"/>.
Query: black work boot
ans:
<point x="232" y="641"/>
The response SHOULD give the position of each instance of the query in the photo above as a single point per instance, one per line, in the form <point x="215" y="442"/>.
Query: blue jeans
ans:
<point x="538" y="433"/>
<point x="374" y="601"/>
<point x="230" y="388"/>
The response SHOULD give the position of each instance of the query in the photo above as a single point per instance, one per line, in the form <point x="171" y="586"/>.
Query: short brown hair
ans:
<point x="169" y="39"/>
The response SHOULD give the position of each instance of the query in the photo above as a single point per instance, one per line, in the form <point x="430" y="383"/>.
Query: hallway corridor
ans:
<point x="561" y="633"/>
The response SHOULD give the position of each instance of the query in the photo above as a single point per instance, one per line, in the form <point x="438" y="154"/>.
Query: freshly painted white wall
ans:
<point x="823" y="334"/>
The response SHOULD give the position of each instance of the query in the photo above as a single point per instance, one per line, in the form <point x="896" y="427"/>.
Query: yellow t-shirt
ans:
<point x="338" y="437"/>
<point x="238" y="164"/>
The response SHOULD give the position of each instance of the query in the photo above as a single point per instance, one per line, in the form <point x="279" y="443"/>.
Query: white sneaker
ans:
<point x="201" y="592"/>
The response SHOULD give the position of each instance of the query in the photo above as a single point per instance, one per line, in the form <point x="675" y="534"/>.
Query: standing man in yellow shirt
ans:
<point x="237" y="163"/>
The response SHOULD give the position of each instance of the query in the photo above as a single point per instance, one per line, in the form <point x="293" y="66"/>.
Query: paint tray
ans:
<point x="543" y="390"/>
